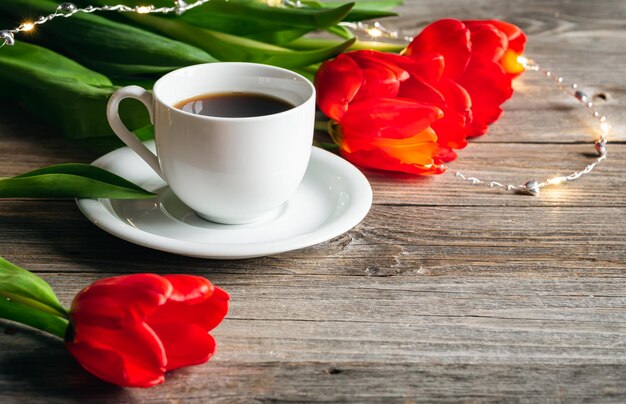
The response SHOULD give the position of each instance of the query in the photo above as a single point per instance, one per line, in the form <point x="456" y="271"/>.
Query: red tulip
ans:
<point x="391" y="134"/>
<point x="481" y="56"/>
<point x="129" y="330"/>
<point x="394" y="113"/>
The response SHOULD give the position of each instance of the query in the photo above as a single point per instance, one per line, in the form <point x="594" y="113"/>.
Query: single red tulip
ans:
<point x="129" y="330"/>
<point x="411" y="89"/>
<point x="391" y="134"/>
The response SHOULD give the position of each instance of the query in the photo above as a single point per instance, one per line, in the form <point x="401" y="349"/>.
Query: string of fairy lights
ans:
<point x="374" y="31"/>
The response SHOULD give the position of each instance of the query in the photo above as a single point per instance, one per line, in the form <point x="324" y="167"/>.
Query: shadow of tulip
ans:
<point x="37" y="367"/>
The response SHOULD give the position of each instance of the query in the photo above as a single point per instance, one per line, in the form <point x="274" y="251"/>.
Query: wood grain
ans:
<point x="444" y="293"/>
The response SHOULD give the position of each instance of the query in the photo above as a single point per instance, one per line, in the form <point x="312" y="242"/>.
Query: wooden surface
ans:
<point x="445" y="292"/>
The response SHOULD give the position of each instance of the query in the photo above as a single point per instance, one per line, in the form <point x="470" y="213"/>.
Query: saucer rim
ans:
<point x="361" y="197"/>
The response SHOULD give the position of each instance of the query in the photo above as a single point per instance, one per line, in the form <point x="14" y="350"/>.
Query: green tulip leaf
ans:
<point x="20" y="285"/>
<point x="71" y="181"/>
<point x="362" y="10"/>
<point x="145" y="133"/>
<point x="341" y="32"/>
<point x="22" y="313"/>
<point x="251" y="17"/>
<point x="93" y="40"/>
<point x="381" y="5"/>
<point x="279" y="37"/>
<point x="244" y="17"/>
<point x="232" y="48"/>
<point x="363" y="14"/>
<point x="63" y="93"/>
<point x="130" y="70"/>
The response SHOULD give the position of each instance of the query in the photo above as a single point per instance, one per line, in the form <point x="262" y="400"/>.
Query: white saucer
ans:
<point x="333" y="197"/>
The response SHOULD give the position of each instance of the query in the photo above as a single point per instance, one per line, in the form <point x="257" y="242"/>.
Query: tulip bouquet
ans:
<point x="127" y="330"/>
<point x="405" y="112"/>
<point x="409" y="112"/>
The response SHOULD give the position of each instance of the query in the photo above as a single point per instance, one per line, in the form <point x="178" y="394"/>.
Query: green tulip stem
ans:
<point x="33" y="304"/>
<point x="322" y="126"/>
<point x="378" y="46"/>
<point x="314" y="43"/>
<point x="27" y="299"/>
<point x="326" y="126"/>
<point x="334" y="130"/>
<point x="32" y="313"/>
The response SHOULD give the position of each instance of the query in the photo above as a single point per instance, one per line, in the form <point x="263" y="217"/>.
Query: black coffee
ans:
<point x="234" y="105"/>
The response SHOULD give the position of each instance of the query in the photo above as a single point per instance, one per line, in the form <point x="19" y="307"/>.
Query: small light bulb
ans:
<point x="605" y="127"/>
<point x="27" y="26"/>
<point x="556" y="180"/>
<point x="522" y="60"/>
<point x="143" y="9"/>
<point x="375" y="32"/>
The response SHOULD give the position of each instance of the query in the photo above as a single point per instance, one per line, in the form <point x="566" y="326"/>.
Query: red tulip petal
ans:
<point x="113" y="301"/>
<point x="381" y="79"/>
<point x="487" y="40"/>
<point x="108" y="365"/>
<point x="132" y="356"/>
<point x="451" y="130"/>
<point x="378" y="83"/>
<point x="421" y="91"/>
<point x="337" y="82"/>
<point x="206" y="314"/>
<point x="185" y="344"/>
<point x="416" y="150"/>
<point x="426" y="65"/>
<point x="389" y="118"/>
<point x="376" y="59"/>
<point x="447" y="37"/>
<point x="516" y="37"/>
<point x="488" y="86"/>
<point x="379" y="160"/>
<point x="445" y="155"/>
<point x="190" y="289"/>
<point x="457" y="98"/>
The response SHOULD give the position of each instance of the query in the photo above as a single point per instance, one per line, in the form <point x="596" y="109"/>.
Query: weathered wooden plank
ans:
<point x="58" y="379"/>
<point x="392" y="240"/>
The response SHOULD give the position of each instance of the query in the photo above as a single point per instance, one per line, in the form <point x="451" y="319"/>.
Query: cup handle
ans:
<point x="113" y="116"/>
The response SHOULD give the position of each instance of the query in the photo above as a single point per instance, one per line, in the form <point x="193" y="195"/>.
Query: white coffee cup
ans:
<point x="228" y="170"/>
